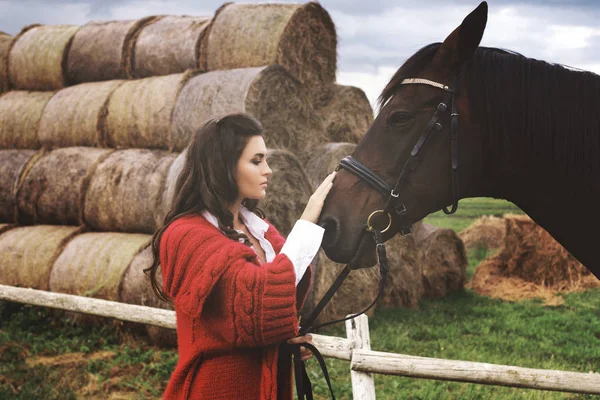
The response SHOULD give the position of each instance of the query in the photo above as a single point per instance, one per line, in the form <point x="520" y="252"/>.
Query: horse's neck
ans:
<point x="566" y="206"/>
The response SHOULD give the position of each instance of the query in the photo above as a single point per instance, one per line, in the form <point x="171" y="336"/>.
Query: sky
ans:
<point x="374" y="36"/>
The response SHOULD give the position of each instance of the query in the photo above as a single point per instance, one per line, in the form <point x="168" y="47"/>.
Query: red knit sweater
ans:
<point x="231" y="313"/>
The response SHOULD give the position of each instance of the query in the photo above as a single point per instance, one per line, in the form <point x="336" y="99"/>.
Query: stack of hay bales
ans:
<point x="530" y="263"/>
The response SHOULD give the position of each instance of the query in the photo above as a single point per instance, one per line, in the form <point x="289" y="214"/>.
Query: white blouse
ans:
<point x="301" y="246"/>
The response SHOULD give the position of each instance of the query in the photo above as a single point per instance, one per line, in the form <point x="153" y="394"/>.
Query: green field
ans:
<point x="463" y="326"/>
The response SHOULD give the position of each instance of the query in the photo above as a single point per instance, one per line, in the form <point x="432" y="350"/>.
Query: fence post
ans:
<point x="363" y="385"/>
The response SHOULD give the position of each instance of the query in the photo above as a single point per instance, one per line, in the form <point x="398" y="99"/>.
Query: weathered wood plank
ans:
<point x="363" y="385"/>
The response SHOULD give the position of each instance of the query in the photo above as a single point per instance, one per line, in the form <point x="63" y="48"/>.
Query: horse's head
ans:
<point x="408" y="147"/>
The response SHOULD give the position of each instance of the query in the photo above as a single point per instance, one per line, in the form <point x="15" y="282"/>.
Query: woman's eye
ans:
<point x="399" y="117"/>
<point x="256" y="162"/>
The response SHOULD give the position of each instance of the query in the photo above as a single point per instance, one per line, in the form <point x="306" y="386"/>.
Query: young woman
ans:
<point x="236" y="283"/>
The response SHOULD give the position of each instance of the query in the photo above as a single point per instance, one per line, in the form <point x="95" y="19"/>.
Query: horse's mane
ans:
<point x="533" y="108"/>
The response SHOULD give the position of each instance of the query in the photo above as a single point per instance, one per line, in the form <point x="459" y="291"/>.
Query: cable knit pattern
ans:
<point x="231" y="311"/>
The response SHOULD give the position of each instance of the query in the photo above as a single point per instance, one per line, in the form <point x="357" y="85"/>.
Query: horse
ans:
<point x="458" y="120"/>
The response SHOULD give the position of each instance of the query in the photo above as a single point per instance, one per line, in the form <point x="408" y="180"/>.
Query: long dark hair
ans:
<point x="207" y="181"/>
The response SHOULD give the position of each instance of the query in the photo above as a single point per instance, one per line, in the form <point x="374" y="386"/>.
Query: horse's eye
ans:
<point x="399" y="117"/>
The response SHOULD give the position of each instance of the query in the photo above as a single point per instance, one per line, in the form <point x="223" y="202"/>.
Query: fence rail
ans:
<point x="356" y="348"/>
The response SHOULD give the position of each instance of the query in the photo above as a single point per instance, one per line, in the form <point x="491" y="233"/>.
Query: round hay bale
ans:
<point x="299" y="37"/>
<point x="530" y="263"/>
<point x="443" y="259"/>
<point x="6" y="227"/>
<point x="324" y="159"/>
<point x="27" y="254"/>
<point x="48" y="197"/>
<point x="169" y="189"/>
<point x="405" y="286"/>
<point x="92" y="264"/>
<point x="74" y="116"/>
<point x="101" y="51"/>
<point x="136" y="289"/>
<point x="346" y="115"/>
<point x="268" y="93"/>
<point x="38" y="56"/>
<point x="168" y="45"/>
<point x="20" y="114"/>
<point x="140" y="112"/>
<point x="487" y="231"/>
<point x="5" y="41"/>
<point x="288" y="192"/>
<point x="125" y="191"/>
<point x="13" y="164"/>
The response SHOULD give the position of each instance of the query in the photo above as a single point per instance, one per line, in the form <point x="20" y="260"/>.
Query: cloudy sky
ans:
<point x="375" y="36"/>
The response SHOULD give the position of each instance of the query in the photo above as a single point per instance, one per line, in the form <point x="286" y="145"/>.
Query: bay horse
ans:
<point x="458" y="120"/>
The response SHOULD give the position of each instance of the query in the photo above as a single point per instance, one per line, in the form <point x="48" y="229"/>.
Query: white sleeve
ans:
<point x="302" y="245"/>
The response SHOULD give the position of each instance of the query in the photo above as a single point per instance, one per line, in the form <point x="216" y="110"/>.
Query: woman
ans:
<point x="236" y="284"/>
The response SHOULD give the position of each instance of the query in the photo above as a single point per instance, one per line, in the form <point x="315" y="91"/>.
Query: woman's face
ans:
<point x="252" y="170"/>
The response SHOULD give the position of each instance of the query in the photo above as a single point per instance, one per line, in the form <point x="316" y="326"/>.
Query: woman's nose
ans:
<point x="268" y="170"/>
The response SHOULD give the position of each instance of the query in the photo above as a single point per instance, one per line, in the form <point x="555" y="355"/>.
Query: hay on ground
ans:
<point x="93" y="264"/>
<point x="443" y="259"/>
<point x="101" y="51"/>
<point x="267" y="93"/>
<point x="5" y="41"/>
<point x="324" y="159"/>
<point x="6" y="227"/>
<point x="73" y="117"/>
<point x="52" y="190"/>
<point x="136" y="289"/>
<point x="37" y="58"/>
<point x="140" y="112"/>
<point x="20" y="114"/>
<point x="27" y="254"/>
<point x="346" y="114"/>
<point x="13" y="164"/>
<point x="168" y="45"/>
<point x="288" y="191"/>
<point x="126" y="189"/>
<point x="487" y="231"/>
<point x="530" y="263"/>
<point x="299" y="37"/>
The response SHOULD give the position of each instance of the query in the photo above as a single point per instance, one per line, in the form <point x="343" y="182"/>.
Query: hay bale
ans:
<point x="27" y="254"/>
<point x="169" y="189"/>
<point x="92" y="264"/>
<point x="6" y="227"/>
<point x="405" y="286"/>
<point x="140" y="112"/>
<point x="288" y="192"/>
<point x="268" y="93"/>
<point x="102" y="51"/>
<point x="125" y="191"/>
<point x="443" y="259"/>
<point x="74" y="116"/>
<point x="5" y="41"/>
<point x="168" y="45"/>
<point x="20" y="114"/>
<point x="530" y="263"/>
<point x="13" y="164"/>
<point x="38" y="56"/>
<point x="487" y="231"/>
<point x="48" y="197"/>
<point x="324" y="159"/>
<point x="136" y="289"/>
<point x="299" y="37"/>
<point x="346" y="114"/>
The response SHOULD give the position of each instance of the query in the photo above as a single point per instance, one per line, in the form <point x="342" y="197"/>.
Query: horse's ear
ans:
<point x="460" y="45"/>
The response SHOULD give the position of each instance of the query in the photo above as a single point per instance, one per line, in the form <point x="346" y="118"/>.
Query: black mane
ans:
<point x="531" y="108"/>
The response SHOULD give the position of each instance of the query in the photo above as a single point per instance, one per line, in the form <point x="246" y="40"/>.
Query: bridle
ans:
<point x="394" y="206"/>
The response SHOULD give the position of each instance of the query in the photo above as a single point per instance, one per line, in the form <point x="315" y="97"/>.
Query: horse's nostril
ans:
<point x="331" y="226"/>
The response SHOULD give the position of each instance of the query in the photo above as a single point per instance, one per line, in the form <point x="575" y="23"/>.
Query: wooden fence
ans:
<point x="355" y="348"/>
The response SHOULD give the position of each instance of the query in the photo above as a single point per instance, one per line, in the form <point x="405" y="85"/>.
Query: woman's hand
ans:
<point x="304" y="352"/>
<point x="317" y="199"/>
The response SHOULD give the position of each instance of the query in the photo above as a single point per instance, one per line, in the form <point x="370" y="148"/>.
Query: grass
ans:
<point x="463" y="326"/>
